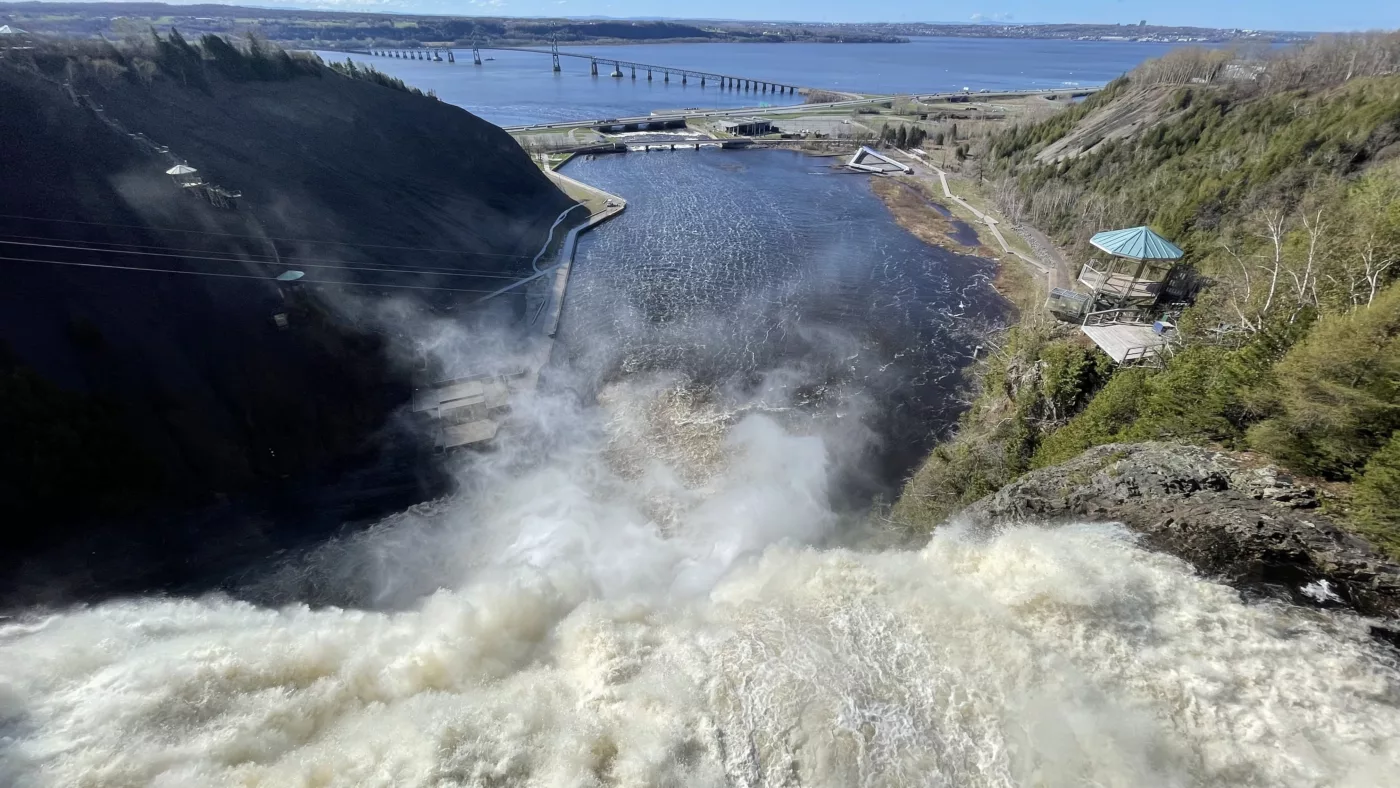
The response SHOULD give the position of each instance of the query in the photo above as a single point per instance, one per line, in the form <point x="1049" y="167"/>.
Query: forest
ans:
<point x="301" y="28"/>
<point x="1279" y="175"/>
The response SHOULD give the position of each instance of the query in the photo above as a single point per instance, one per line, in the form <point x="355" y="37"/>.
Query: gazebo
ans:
<point x="1121" y="312"/>
<point x="184" y="175"/>
<point x="1139" y="263"/>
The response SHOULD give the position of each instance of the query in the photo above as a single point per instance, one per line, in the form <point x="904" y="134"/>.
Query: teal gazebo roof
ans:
<point x="1137" y="243"/>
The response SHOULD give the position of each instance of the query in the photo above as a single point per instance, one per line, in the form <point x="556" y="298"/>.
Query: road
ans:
<point x="794" y="109"/>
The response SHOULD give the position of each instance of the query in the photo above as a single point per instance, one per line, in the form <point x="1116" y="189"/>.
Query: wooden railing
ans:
<point x="1117" y="283"/>
<point x="1138" y="354"/>
<point x="1106" y="317"/>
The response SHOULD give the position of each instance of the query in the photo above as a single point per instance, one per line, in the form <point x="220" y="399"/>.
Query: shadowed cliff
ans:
<point x="200" y="379"/>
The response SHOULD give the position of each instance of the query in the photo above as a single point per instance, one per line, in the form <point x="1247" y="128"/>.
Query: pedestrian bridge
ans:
<point x="868" y="159"/>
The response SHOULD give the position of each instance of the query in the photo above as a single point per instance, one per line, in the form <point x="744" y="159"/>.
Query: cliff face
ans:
<point x="125" y="390"/>
<point x="1253" y="527"/>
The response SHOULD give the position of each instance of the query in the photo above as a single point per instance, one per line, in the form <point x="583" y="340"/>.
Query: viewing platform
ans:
<point x="1125" y="337"/>
<point x="1128" y="295"/>
<point x="868" y="159"/>
<point x="1112" y="283"/>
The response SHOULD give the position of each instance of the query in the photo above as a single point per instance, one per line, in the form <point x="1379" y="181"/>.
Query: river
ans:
<point x="779" y="273"/>
<point x="519" y="88"/>
<point x="660" y="574"/>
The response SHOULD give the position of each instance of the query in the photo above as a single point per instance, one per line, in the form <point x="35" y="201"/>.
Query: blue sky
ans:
<point x="1257" y="14"/>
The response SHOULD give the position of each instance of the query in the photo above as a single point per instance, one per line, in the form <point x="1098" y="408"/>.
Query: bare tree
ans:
<point x="1273" y="229"/>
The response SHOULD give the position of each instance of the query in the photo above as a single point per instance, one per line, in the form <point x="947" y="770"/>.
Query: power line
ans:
<point x="235" y="276"/>
<point x="263" y="237"/>
<point x="269" y="259"/>
<point x="255" y="262"/>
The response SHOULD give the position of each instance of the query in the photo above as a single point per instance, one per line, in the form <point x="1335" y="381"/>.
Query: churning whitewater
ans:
<point x="658" y="600"/>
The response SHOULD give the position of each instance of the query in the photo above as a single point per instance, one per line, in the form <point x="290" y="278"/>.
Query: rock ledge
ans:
<point x="1255" y="528"/>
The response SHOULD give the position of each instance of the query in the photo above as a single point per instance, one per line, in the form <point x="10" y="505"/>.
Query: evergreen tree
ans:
<point x="901" y="138"/>
<point x="1377" y="499"/>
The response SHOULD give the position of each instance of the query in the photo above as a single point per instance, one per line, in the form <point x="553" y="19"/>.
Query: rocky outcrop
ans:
<point x="1254" y="527"/>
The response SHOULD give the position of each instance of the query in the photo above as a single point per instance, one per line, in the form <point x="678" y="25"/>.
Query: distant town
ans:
<point x="353" y="30"/>
<point x="1142" y="31"/>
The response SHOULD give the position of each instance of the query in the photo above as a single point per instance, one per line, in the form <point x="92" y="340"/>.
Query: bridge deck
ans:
<point x="652" y="66"/>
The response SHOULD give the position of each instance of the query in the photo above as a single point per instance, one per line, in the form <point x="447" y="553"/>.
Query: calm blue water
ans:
<point x="518" y="87"/>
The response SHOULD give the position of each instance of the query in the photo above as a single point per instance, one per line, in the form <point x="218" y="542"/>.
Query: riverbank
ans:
<point x="923" y="203"/>
<point x="914" y="212"/>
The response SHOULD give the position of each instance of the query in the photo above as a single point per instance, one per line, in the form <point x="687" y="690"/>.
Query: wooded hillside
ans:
<point x="1280" y="177"/>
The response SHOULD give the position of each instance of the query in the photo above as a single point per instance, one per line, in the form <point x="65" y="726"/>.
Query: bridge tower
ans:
<point x="476" y="53"/>
<point x="593" y="67"/>
<point x="554" y="51"/>
<point x="668" y="77"/>
<point x="648" y="75"/>
<point x="683" y="77"/>
<point x="634" y="72"/>
<point x="451" y="57"/>
<point x="702" y="81"/>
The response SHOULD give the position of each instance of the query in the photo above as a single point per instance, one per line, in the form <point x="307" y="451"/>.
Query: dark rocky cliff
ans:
<point x="125" y="392"/>
<point x="1253" y="527"/>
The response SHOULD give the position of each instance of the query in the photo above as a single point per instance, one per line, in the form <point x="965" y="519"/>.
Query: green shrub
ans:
<point x="1032" y="385"/>
<point x="1104" y="420"/>
<point x="1338" y="392"/>
<point x="1376" y="498"/>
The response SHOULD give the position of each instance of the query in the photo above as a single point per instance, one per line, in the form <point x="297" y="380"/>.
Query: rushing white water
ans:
<point x="609" y="617"/>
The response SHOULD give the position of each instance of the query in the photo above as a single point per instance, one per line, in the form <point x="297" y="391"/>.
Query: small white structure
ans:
<point x="467" y="410"/>
<point x="883" y="164"/>
<point x="185" y="176"/>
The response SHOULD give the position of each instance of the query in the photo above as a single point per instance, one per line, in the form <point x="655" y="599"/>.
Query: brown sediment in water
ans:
<point x="908" y="202"/>
<point x="911" y="210"/>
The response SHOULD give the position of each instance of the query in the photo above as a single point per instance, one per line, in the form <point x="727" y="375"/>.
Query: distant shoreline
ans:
<point x="340" y="30"/>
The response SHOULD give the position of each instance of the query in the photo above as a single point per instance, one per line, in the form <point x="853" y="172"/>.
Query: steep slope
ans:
<point x="129" y="389"/>
<point x="1281" y="180"/>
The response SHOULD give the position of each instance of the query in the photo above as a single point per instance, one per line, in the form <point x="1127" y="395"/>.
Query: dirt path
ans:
<point x="1052" y="270"/>
<point x="1047" y="251"/>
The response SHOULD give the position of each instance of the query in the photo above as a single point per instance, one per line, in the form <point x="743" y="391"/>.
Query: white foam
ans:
<point x="588" y="643"/>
